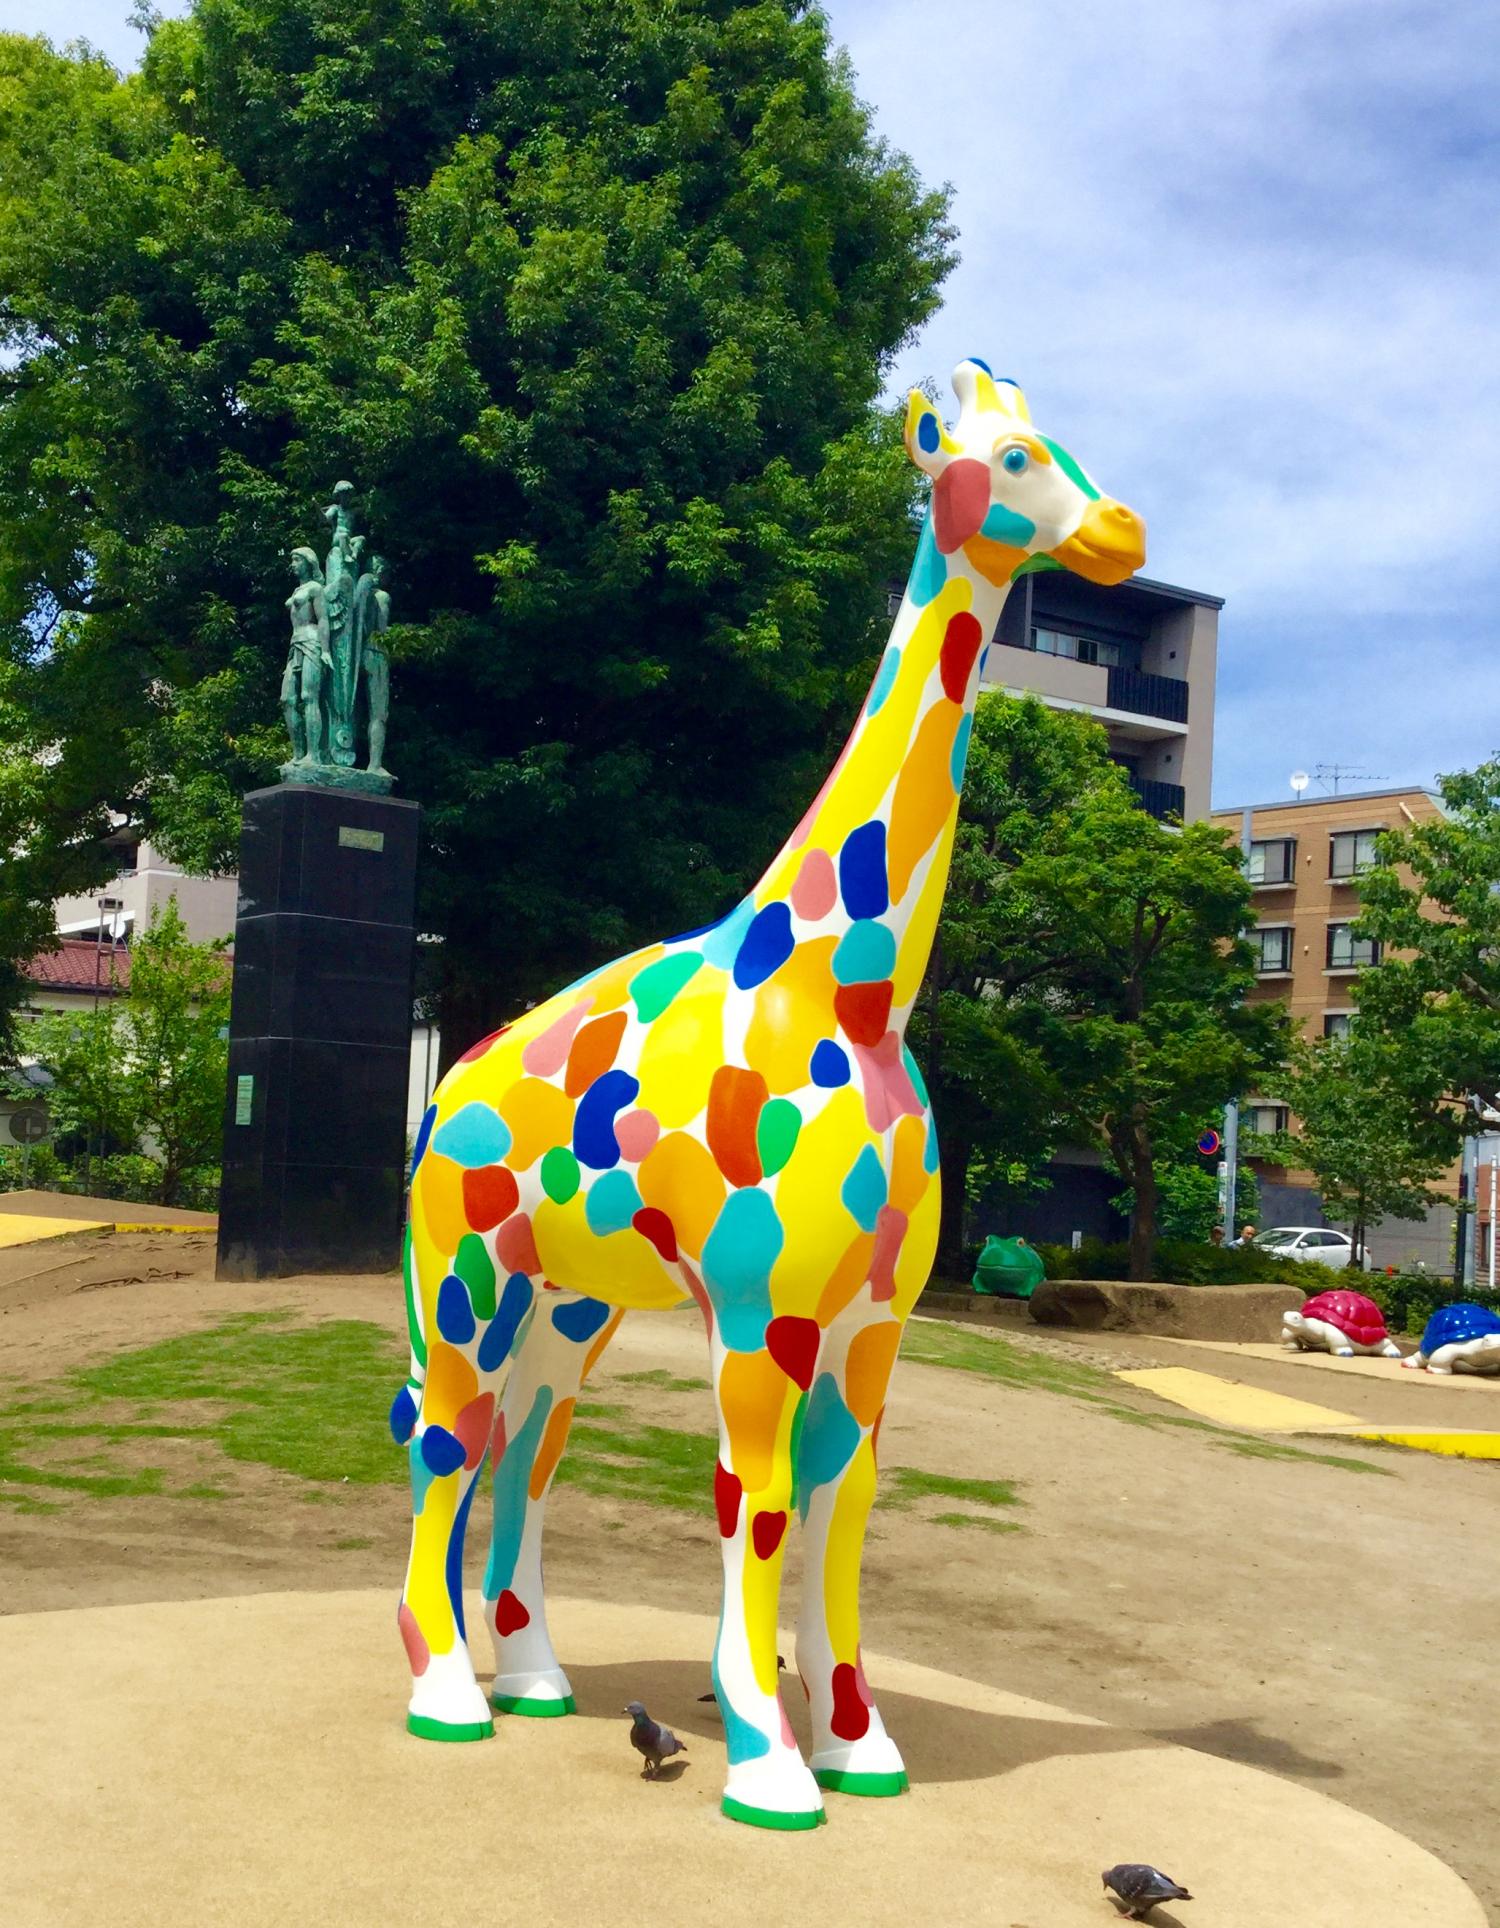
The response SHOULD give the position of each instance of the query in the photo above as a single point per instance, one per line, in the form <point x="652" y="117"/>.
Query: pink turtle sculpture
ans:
<point x="1339" y="1322"/>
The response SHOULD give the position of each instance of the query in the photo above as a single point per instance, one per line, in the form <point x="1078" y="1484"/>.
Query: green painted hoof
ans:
<point x="533" y="1709"/>
<point x="841" y="1781"/>
<point x="427" y="1729"/>
<point x="757" y="1817"/>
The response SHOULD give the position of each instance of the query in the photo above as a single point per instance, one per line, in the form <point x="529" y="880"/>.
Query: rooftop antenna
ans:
<point x="1333" y="774"/>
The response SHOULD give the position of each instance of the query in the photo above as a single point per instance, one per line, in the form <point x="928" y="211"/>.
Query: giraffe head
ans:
<point x="1011" y="499"/>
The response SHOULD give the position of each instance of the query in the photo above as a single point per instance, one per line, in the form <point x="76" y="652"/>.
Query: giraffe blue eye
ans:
<point x="1017" y="461"/>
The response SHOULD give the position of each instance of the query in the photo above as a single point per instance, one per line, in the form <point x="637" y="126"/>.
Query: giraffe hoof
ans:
<point x="534" y="1706"/>
<point x="428" y="1729"/>
<point x="784" y="1820"/>
<point x="840" y="1780"/>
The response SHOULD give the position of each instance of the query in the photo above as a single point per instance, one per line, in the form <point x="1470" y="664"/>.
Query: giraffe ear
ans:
<point x="928" y="443"/>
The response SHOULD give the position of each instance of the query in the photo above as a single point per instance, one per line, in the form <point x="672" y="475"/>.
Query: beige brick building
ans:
<point x="1306" y="856"/>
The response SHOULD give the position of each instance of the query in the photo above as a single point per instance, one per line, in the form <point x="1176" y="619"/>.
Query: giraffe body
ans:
<point x="731" y="1116"/>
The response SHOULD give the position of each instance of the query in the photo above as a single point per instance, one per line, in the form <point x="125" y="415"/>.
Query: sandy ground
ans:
<point x="1333" y="1628"/>
<point x="1015" y="1806"/>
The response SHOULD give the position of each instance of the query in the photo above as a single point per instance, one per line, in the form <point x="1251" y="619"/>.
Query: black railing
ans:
<point x="1164" y="696"/>
<point x="1160" y="800"/>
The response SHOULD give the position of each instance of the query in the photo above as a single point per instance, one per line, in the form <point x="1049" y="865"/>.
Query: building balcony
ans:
<point x="1160" y="800"/>
<point x="1146" y="695"/>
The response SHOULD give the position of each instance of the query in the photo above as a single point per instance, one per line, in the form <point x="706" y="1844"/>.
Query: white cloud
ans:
<point x="1243" y="260"/>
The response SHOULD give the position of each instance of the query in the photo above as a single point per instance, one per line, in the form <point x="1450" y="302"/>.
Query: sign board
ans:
<point x="352" y="839"/>
<point x="29" y="1125"/>
<point x="1209" y="1143"/>
<point x="244" y="1097"/>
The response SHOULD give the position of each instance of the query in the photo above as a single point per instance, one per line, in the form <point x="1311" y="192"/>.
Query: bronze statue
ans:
<point x="339" y="618"/>
<point x="302" y="680"/>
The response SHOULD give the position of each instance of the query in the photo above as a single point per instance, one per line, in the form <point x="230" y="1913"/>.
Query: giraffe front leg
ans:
<point x="768" y="1783"/>
<point x="564" y="1337"/>
<point x="852" y="1753"/>
<point x="446" y="1702"/>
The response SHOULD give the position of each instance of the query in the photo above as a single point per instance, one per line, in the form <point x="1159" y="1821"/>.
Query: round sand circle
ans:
<point x="245" y="1760"/>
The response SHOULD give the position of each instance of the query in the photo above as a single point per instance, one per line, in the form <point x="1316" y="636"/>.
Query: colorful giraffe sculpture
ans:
<point x="733" y="1115"/>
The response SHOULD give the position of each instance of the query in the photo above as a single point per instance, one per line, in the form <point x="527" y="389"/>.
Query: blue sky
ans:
<point x="1246" y="261"/>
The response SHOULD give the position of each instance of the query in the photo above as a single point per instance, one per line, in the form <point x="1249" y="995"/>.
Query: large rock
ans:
<point x="1242" y="1312"/>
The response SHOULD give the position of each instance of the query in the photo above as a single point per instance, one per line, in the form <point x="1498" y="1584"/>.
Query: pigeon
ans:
<point x="780" y="1668"/>
<point x="1138" y="1888"/>
<point x="649" y="1738"/>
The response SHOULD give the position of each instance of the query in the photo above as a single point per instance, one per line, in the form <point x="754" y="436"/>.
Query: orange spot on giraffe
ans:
<point x="867" y="1369"/>
<point x="593" y="1052"/>
<point x="924" y="796"/>
<point x="550" y="1450"/>
<point x="735" y="1100"/>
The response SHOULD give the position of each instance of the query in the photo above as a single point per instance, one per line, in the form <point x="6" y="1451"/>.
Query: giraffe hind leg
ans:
<point x="563" y="1337"/>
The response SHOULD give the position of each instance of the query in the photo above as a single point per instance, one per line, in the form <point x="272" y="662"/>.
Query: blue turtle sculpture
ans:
<point x="1462" y="1338"/>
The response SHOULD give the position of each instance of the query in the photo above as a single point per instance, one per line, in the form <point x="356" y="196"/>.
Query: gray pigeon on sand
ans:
<point x="1137" y="1888"/>
<point x="649" y="1738"/>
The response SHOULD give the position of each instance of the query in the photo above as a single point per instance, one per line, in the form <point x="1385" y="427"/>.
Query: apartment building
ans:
<point x="1140" y="658"/>
<point x="1306" y="858"/>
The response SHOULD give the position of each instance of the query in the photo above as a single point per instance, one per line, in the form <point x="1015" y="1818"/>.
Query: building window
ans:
<point x="1263" y="1121"/>
<point x="1078" y="649"/>
<point x="1351" y="852"/>
<point x="1336" y="1023"/>
<point x="1273" y="861"/>
<point x="1273" y="947"/>
<point x="1346" y="952"/>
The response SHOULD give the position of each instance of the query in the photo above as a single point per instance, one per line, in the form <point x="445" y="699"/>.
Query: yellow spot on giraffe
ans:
<point x="807" y="1200"/>
<point x="918" y="1249"/>
<point x="540" y="1115"/>
<point x="851" y="1509"/>
<point x="681" y="1052"/>
<point x="439" y="1187"/>
<point x="846" y="1278"/>
<point x="451" y="1383"/>
<point x="622" y="1267"/>
<point x="426" y="1577"/>
<point x="867" y="1369"/>
<point x="679" y="1177"/>
<point x="908" y="1179"/>
<point x="883" y="738"/>
<point x="916" y="939"/>
<point x="612" y="986"/>
<point x="791" y="1014"/>
<point x="925" y="797"/>
<point x="551" y="1448"/>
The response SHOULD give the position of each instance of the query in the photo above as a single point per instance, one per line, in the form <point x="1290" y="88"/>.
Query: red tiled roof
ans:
<point x="78" y="965"/>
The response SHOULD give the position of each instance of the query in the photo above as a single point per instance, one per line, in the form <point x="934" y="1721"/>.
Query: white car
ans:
<point x="1308" y="1242"/>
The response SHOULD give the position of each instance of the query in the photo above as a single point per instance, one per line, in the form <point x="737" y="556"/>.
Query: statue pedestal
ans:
<point x="319" y="1034"/>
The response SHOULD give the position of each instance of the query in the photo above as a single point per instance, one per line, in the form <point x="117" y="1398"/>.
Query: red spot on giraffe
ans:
<point x="478" y="1050"/>
<point x="490" y="1196"/>
<point x="793" y="1344"/>
<point x="960" y="502"/>
<point x="510" y="1614"/>
<point x="890" y="1230"/>
<point x="863" y="1010"/>
<point x="766" y="1530"/>
<point x="417" y="1652"/>
<point x="546" y="1055"/>
<point x="696" y="1286"/>
<point x="727" y="1495"/>
<point x="851" y="1716"/>
<point x="961" y="642"/>
<point x="735" y="1099"/>
<point x="497" y="1440"/>
<point x="652" y="1223"/>
<point x="889" y="1091"/>
<point x="473" y="1426"/>
<point x="816" y="890"/>
<point x="515" y="1246"/>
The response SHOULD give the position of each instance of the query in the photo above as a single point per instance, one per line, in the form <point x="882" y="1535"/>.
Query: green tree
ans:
<point x="1373" y="1157"/>
<point x="993" y="1092"/>
<point x="592" y="299"/>
<point x="1187" y="1193"/>
<point x="1144" y="1021"/>
<point x="1433" y="902"/>
<point x="141" y="1078"/>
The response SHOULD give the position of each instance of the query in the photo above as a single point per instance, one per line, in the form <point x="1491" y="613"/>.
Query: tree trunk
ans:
<point x="950" y="1252"/>
<point x="1143" y="1224"/>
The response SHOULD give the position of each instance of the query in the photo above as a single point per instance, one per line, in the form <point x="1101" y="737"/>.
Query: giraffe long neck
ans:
<point x="870" y="858"/>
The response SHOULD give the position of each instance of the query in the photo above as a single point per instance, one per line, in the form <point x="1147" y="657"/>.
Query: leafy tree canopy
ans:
<point x="592" y="299"/>
<point x="1433" y="901"/>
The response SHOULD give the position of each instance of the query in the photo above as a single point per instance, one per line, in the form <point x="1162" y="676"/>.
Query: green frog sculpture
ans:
<point x="336" y="685"/>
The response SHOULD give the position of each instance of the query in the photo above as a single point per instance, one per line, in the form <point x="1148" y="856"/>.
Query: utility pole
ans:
<point x="1232" y="1109"/>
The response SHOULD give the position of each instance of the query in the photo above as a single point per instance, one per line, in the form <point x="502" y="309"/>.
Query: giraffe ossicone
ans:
<point x="732" y="1117"/>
